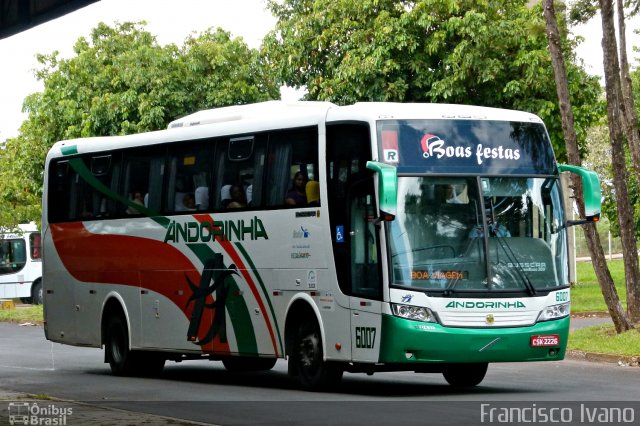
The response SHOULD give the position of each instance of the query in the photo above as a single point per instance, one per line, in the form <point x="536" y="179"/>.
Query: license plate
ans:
<point x="545" y="340"/>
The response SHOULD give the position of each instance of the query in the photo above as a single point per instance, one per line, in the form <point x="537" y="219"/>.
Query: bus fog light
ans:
<point x="416" y="313"/>
<point x="555" y="312"/>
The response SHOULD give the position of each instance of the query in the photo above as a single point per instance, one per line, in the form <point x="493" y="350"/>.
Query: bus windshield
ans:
<point x="478" y="234"/>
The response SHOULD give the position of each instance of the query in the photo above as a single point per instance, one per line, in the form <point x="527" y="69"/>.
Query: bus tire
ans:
<point x="244" y="363"/>
<point x="118" y="354"/>
<point x="313" y="372"/>
<point x="122" y="360"/>
<point x="37" y="297"/>
<point x="465" y="375"/>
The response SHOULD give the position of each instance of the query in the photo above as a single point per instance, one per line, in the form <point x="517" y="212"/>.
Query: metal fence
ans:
<point x="610" y="244"/>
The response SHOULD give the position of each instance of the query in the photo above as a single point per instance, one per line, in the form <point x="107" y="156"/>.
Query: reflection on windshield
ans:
<point x="478" y="234"/>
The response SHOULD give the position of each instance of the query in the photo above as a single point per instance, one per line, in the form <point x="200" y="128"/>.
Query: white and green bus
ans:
<point x="363" y="238"/>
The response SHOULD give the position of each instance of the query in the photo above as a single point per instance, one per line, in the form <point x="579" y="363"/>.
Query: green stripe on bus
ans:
<point x="264" y="290"/>
<point x="236" y="306"/>
<point x="69" y="150"/>
<point x="241" y="319"/>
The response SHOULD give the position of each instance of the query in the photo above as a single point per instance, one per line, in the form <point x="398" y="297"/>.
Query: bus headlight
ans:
<point x="415" y="313"/>
<point x="555" y="311"/>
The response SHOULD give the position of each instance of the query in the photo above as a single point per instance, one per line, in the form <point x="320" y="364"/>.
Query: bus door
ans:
<point x="364" y="272"/>
<point x="356" y="251"/>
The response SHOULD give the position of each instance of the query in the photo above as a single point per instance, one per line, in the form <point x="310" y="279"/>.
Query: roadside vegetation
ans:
<point x="22" y="314"/>
<point x="603" y="339"/>
<point x="587" y="300"/>
<point x="586" y="296"/>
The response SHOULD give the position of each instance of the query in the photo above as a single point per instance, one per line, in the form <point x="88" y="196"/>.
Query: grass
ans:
<point x="603" y="339"/>
<point x="22" y="314"/>
<point x="586" y="296"/>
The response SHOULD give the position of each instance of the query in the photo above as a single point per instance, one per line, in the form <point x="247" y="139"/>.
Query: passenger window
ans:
<point x="239" y="169"/>
<point x="84" y="188"/>
<point x="189" y="185"/>
<point x="292" y="166"/>
<point x="142" y="181"/>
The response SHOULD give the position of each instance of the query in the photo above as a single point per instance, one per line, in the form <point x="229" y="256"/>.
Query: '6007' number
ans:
<point x="365" y="337"/>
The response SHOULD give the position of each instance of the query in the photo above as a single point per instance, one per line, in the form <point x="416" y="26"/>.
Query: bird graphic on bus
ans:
<point x="213" y="279"/>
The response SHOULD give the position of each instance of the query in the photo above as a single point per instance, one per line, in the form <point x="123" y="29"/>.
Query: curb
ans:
<point x="623" y="361"/>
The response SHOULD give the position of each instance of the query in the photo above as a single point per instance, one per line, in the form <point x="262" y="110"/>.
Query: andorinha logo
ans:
<point x="219" y="230"/>
<point x="485" y="305"/>
<point x="434" y="146"/>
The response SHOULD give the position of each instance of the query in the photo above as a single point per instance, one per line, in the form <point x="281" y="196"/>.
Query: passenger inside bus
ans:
<point x="297" y="195"/>
<point x="457" y="195"/>
<point x="238" y="198"/>
<point x="188" y="201"/>
<point x="313" y="193"/>
<point x="201" y="196"/>
<point x="137" y="199"/>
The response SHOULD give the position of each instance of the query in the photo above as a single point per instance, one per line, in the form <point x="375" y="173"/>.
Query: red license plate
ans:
<point x="545" y="340"/>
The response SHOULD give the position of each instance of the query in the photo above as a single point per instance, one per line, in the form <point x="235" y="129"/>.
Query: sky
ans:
<point x="171" y="21"/>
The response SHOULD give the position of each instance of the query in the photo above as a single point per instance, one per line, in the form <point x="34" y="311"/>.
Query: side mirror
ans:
<point x="387" y="189"/>
<point x="591" y="192"/>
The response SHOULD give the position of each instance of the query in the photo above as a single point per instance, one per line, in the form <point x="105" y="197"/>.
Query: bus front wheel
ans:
<point x="313" y="371"/>
<point x="465" y="375"/>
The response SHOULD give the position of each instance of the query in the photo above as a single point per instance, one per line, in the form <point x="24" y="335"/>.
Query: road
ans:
<point x="202" y="391"/>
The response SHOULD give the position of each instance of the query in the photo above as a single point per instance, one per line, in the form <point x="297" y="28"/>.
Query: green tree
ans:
<point x="471" y="52"/>
<point x="121" y="81"/>
<point x="620" y="319"/>
<point x="622" y="120"/>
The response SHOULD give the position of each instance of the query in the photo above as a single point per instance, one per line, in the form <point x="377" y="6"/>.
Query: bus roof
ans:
<point x="407" y="111"/>
<point x="270" y="115"/>
<point x="251" y="111"/>
<point x="362" y="110"/>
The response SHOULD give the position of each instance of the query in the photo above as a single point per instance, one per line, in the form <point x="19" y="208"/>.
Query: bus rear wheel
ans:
<point x="313" y="371"/>
<point x="465" y="375"/>
<point x="122" y="360"/>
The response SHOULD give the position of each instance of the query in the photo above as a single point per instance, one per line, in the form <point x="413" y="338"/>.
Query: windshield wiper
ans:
<point x="513" y="258"/>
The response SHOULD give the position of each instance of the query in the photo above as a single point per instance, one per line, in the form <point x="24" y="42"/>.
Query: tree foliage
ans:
<point x="598" y="159"/>
<point x="121" y="81"/>
<point x="491" y="53"/>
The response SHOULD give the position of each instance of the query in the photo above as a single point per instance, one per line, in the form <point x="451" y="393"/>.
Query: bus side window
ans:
<point x="240" y="162"/>
<point x="142" y="180"/>
<point x="59" y="195"/>
<point x="189" y="167"/>
<point x="92" y="186"/>
<point x="291" y="153"/>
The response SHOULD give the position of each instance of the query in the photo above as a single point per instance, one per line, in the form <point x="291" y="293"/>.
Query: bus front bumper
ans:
<point x="405" y="341"/>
